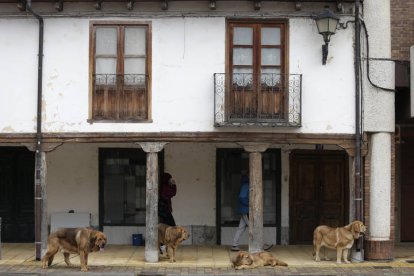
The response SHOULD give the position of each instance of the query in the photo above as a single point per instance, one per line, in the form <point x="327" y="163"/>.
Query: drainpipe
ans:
<point x="358" y="186"/>
<point x="39" y="200"/>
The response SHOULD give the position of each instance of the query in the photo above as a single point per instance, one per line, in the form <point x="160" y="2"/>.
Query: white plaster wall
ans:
<point x="379" y="114"/>
<point x="193" y="166"/>
<point x="186" y="52"/>
<point x="18" y="78"/>
<point x="72" y="180"/>
<point x="328" y="96"/>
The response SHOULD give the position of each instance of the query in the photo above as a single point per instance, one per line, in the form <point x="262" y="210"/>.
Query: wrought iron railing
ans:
<point x="257" y="99"/>
<point x="120" y="97"/>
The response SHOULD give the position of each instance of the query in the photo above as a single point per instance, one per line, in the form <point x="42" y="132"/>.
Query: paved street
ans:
<point x="18" y="259"/>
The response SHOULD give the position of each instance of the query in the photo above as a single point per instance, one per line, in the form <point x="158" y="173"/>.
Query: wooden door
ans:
<point x="17" y="194"/>
<point x="407" y="185"/>
<point x="318" y="192"/>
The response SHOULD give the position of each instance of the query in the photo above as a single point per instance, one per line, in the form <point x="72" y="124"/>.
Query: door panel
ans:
<point x="407" y="185"/>
<point x="318" y="192"/>
<point x="17" y="194"/>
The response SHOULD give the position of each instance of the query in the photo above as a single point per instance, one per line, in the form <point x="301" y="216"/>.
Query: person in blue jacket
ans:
<point x="244" y="214"/>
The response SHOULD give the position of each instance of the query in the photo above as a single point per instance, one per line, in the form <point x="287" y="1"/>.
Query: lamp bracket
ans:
<point x="324" y="53"/>
<point x="344" y="25"/>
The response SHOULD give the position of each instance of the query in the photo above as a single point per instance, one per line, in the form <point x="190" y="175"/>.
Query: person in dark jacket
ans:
<point x="168" y="189"/>
<point x="244" y="214"/>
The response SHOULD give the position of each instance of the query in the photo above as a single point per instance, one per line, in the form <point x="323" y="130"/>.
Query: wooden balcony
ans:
<point x="257" y="100"/>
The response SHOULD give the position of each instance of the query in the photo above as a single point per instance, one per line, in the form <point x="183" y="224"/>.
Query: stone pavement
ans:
<point x="18" y="260"/>
<point x="20" y="270"/>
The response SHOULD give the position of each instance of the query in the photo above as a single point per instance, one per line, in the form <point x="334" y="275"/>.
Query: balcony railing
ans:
<point x="120" y="97"/>
<point x="257" y="99"/>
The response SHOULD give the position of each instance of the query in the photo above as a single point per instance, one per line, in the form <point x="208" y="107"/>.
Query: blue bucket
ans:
<point x="137" y="239"/>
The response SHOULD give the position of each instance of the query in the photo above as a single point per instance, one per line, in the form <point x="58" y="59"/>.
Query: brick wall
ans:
<point x="402" y="28"/>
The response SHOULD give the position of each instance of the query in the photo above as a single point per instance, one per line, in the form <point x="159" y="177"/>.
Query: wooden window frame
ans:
<point x="284" y="53"/>
<point x="148" y="68"/>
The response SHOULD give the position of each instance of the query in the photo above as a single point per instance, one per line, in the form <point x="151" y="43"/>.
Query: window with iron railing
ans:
<point x="120" y="75"/>
<point x="256" y="88"/>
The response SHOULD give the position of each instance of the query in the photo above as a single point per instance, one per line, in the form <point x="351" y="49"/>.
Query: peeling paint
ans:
<point x="7" y="129"/>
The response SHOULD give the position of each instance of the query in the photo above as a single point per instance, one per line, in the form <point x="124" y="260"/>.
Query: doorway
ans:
<point x="231" y="165"/>
<point x="17" y="166"/>
<point x="318" y="192"/>
<point x="406" y="166"/>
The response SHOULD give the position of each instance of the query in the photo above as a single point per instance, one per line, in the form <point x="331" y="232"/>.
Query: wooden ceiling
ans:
<point x="297" y="1"/>
<point x="59" y="4"/>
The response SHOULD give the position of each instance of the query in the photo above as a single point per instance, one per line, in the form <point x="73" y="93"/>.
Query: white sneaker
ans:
<point x="267" y="247"/>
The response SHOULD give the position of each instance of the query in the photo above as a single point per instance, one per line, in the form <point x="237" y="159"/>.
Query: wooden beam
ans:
<point x="212" y="5"/>
<point x="298" y="5"/>
<point x="257" y="4"/>
<point x="120" y="1"/>
<point x="59" y="5"/>
<point x="130" y="5"/>
<point x="21" y="5"/>
<point x="339" y="6"/>
<point x="131" y="137"/>
<point x="98" y="5"/>
<point x="164" y="5"/>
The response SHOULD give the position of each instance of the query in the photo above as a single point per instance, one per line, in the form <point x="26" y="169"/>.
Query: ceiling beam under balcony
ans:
<point x="339" y="3"/>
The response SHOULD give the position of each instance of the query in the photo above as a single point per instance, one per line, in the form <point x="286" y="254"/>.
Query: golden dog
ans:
<point x="340" y="238"/>
<point x="245" y="260"/>
<point x="171" y="237"/>
<point x="80" y="241"/>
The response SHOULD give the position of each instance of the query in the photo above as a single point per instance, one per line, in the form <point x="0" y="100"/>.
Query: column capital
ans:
<point x="254" y="147"/>
<point x="152" y="146"/>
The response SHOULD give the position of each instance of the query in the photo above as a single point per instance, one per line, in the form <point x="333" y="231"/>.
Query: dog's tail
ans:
<point x="281" y="263"/>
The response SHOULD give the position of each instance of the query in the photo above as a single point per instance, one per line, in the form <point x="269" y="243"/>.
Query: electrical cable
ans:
<point x="368" y="59"/>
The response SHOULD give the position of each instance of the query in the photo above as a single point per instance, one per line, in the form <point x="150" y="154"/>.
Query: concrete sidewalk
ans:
<point x="19" y="259"/>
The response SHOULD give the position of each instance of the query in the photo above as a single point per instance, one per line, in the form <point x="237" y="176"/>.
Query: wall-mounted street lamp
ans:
<point x="327" y="23"/>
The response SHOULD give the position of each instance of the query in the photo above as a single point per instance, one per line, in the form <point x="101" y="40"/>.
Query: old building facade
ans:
<point x="99" y="98"/>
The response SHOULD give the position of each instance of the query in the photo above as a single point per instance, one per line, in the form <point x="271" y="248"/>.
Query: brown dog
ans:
<point x="245" y="260"/>
<point x="74" y="241"/>
<point x="171" y="237"/>
<point x="340" y="238"/>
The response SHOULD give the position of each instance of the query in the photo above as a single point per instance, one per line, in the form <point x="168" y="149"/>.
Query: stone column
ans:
<point x="151" y="219"/>
<point x="255" y="195"/>
<point x="379" y="122"/>
<point x="379" y="246"/>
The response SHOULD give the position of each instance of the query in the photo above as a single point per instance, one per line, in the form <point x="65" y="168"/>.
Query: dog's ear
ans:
<point x="92" y="237"/>
<point x="251" y="260"/>
<point x="356" y="229"/>
<point x="172" y="234"/>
